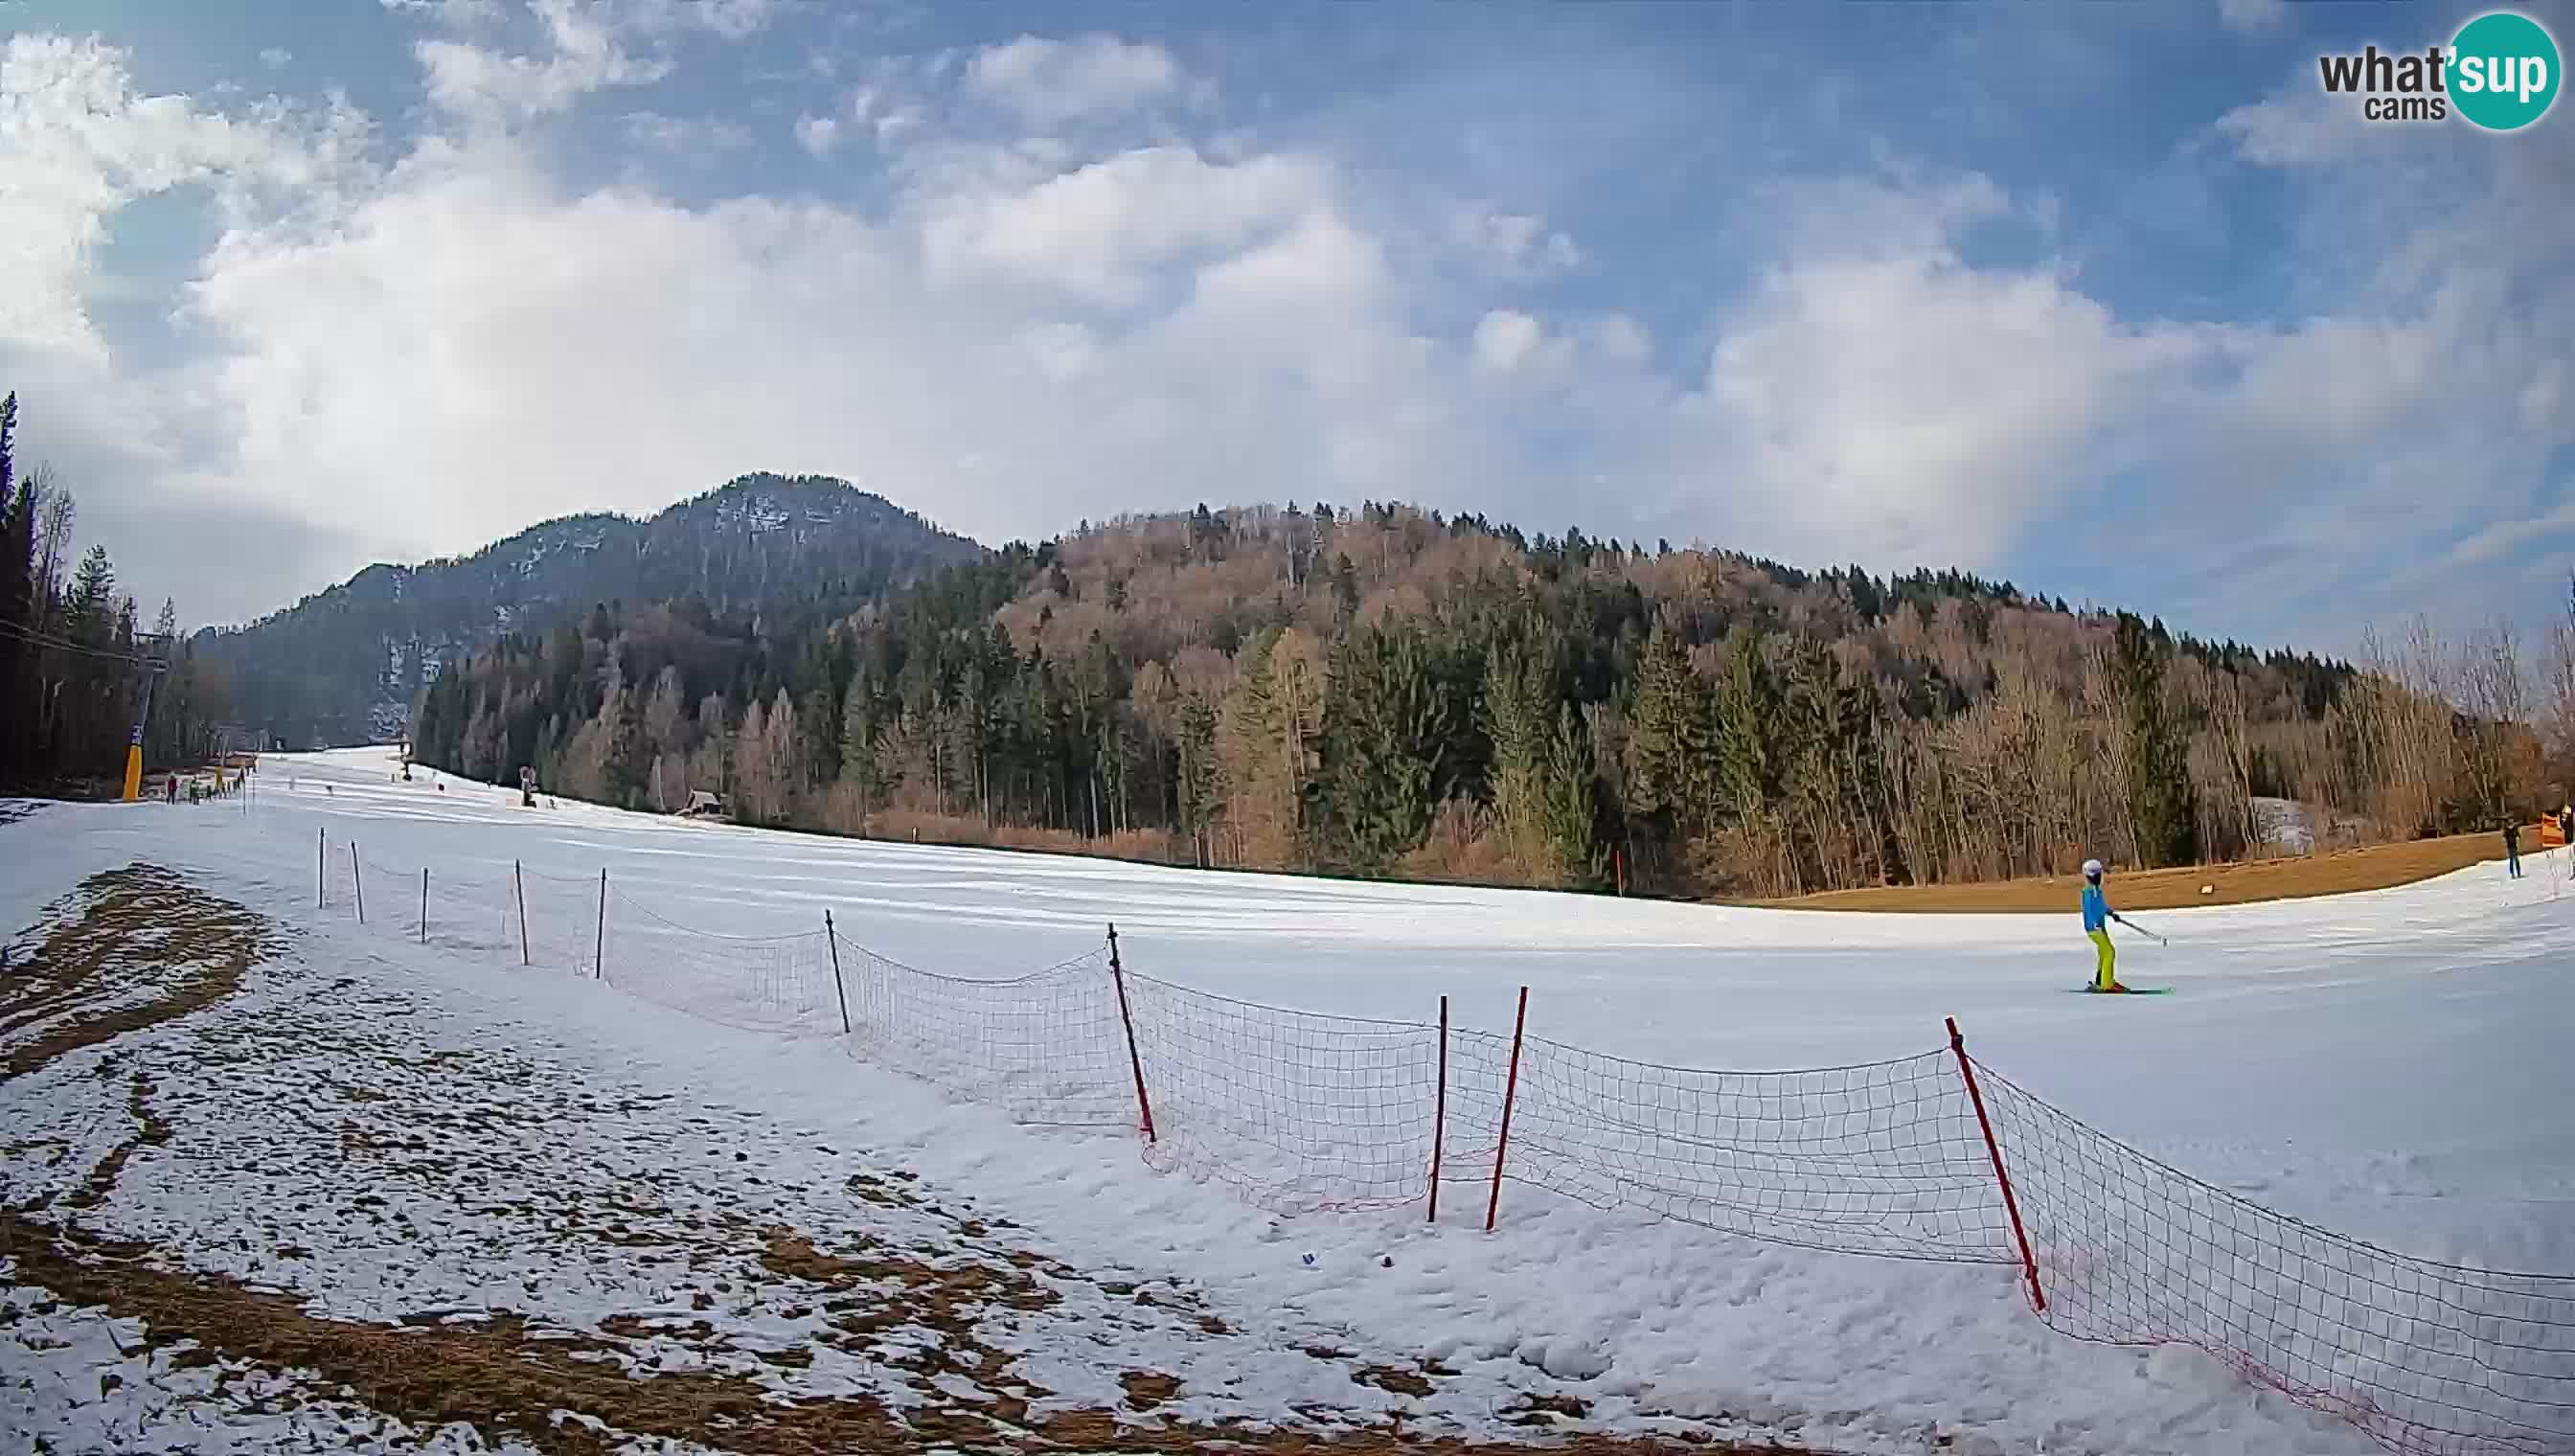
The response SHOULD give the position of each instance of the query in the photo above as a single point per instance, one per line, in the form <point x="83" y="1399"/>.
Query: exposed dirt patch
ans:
<point x="150" y="1132"/>
<point x="1544" y="1410"/>
<point x="496" y="1376"/>
<point x="139" y="914"/>
<point x="1147" y="1389"/>
<point x="1388" y="1378"/>
<point x="2336" y="872"/>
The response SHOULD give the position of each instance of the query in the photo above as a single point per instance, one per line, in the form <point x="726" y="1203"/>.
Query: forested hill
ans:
<point x="344" y="664"/>
<point x="1388" y="692"/>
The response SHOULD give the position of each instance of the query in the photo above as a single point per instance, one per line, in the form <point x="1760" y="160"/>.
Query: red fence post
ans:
<point x="1440" y="1112"/>
<point x="1994" y="1149"/>
<point x="424" y="905"/>
<point x="518" y="887"/>
<point x="355" y="880"/>
<point x="599" y="951"/>
<point x="1134" y="1060"/>
<point x="1511" y="1093"/>
<point x="321" y="863"/>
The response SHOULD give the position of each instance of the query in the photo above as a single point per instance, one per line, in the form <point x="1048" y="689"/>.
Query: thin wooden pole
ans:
<point x="519" y="885"/>
<point x="599" y="951"/>
<point x="1511" y="1093"/>
<point x="355" y="880"/>
<point x="1134" y="1060"/>
<point x="1440" y="1112"/>
<point x="321" y="863"/>
<point x="831" y="938"/>
<point x="2011" y="1205"/>
<point x="424" y="905"/>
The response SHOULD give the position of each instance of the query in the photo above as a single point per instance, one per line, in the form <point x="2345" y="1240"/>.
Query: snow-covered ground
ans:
<point x="2387" y="1065"/>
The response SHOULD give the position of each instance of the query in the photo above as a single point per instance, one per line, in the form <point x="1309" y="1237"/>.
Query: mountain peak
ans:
<point x="345" y="663"/>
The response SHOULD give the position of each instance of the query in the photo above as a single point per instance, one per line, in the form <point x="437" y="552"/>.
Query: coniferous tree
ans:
<point x="1384" y="737"/>
<point x="1669" y="766"/>
<point x="1747" y="709"/>
<point x="17" y="599"/>
<point x="2161" y="804"/>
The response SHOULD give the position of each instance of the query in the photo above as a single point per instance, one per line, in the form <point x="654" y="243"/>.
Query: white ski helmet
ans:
<point x="2091" y="869"/>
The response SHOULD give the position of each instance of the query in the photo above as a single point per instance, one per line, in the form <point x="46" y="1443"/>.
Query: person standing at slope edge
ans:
<point x="2097" y="916"/>
<point x="2512" y="852"/>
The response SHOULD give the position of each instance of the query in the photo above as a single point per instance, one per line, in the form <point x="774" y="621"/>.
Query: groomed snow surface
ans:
<point x="385" y="1124"/>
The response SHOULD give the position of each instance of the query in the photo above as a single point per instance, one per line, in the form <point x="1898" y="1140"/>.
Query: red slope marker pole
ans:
<point x="1134" y="1059"/>
<point x="1511" y="1093"/>
<point x="1994" y="1149"/>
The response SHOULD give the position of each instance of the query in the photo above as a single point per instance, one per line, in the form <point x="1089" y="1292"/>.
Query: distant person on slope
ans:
<point x="2512" y="852"/>
<point x="2097" y="916"/>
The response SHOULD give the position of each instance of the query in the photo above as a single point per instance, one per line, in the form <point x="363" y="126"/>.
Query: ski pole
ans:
<point x="2142" y="930"/>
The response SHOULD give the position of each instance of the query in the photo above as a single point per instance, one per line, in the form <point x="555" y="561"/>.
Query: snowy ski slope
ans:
<point x="2389" y="1065"/>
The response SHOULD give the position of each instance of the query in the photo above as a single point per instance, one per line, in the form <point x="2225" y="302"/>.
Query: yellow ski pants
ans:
<point x="2104" y="975"/>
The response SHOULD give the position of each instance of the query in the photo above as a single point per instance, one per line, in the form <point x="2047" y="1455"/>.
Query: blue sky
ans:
<point x="2106" y="298"/>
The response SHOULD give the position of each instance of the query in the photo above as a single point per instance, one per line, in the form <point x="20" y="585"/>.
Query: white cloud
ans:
<point x="2299" y="129"/>
<point x="818" y="134"/>
<point x="1912" y="408"/>
<point x="1051" y="82"/>
<point x="276" y="58"/>
<point x="886" y="117"/>
<point x="77" y="145"/>
<point x="731" y="19"/>
<point x="1516" y="242"/>
<point x="479" y="84"/>
<point x="684" y="137"/>
<point x="1098" y="229"/>
<point x="2252" y="15"/>
<point x="456" y="14"/>
<point x="1506" y="338"/>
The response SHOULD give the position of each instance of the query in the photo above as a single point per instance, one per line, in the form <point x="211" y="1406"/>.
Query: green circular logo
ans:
<point x="2503" y="71"/>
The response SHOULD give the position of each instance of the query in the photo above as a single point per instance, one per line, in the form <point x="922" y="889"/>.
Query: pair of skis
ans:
<point x="2126" y="991"/>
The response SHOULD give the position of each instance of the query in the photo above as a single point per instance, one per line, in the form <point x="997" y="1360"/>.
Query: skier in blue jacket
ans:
<point x="2097" y="916"/>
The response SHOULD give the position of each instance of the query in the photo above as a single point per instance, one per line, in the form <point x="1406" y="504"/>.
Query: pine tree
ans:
<point x="1747" y="715"/>
<point x="93" y="600"/>
<point x="1197" y="781"/>
<point x="1345" y="586"/>
<point x="1569" y="800"/>
<point x="627" y="760"/>
<point x="1385" y="730"/>
<point x="2163" y="805"/>
<point x="17" y="591"/>
<point x="858" y="737"/>
<point x="1542" y="779"/>
<point x="1668" y="762"/>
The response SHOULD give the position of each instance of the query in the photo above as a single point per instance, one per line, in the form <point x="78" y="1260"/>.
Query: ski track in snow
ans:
<point x="385" y="1129"/>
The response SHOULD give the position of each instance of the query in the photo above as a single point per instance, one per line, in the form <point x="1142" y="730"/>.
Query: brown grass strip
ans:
<point x="138" y="920"/>
<point x="2302" y="877"/>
